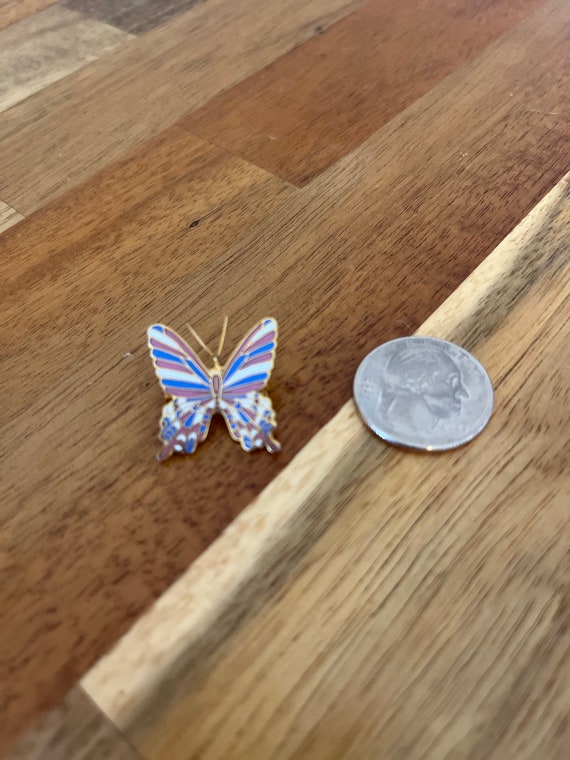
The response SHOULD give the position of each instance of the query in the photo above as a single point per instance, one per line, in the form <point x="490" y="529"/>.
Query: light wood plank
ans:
<point x="54" y="140"/>
<point x="378" y="603"/>
<point x="47" y="47"/>
<point x="318" y="102"/>
<point x="76" y="730"/>
<point x="12" y="11"/>
<point x="8" y="216"/>
<point x="134" y="16"/>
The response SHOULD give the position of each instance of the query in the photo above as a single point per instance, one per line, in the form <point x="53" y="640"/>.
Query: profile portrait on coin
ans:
<point x="421" y="386"/>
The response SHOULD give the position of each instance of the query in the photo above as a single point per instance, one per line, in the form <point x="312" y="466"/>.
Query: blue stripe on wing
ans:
<point x="234" y="366"/>
<point x="197" y="371"/>
<point x="167" y="357"/>
<point x="248" y="380"/>
<point x="263" y="350"/>
<point x="187" y="386"/>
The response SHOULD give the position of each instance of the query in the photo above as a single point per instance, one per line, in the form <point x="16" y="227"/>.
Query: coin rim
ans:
<point x="389" y="438"/>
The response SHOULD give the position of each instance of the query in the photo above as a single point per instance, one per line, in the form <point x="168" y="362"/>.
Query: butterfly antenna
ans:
<point x="223" y="337"/>
<point x="199" y="340"/>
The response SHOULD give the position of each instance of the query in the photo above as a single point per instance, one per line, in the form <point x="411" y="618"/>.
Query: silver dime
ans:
<point x="423" y="393"/>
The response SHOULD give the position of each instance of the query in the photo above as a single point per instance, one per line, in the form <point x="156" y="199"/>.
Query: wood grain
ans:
<point x="93" y="529"/>
<point x="55" y="139"/>
<point x="47" y="47"/>
<point x="12" y="11"/>
<point x="96" y="530"/>
<point x="318" y="102"/>
<point x="8" y="216"/>
<point x="456" y="173"/>
<point x="379" y="603"/>
<point x="135" y="17"/>
<point x="171" y="205"/>
<point x="75" y="730"/>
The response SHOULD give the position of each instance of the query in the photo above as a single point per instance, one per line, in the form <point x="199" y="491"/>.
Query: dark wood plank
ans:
<point x="93" y="527"/>
<point x="167" y="208"/>
<point x="134" y="16"/>
<point x="318" y="102"/>
<point x="76" y="730"/>
<point x="54" y="140"/>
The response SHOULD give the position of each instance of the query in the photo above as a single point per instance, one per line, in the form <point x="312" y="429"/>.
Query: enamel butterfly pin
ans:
<point x="196" y="393"/>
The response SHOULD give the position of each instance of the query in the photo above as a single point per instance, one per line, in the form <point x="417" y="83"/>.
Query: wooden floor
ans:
<point x="360" y="170"/>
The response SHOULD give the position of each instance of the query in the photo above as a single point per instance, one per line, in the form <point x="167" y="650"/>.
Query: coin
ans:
<point x="423" y="393"/>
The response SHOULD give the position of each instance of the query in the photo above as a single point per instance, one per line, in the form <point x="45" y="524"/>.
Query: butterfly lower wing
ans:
<point x="251" y="421"/>
<point x="180" y="371"/>
<point x="184" y="424"/>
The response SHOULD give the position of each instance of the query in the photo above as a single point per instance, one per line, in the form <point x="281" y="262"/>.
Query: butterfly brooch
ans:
<point x="196" y="393"/>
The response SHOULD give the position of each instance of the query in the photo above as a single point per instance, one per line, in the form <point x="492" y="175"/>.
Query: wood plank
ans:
<point x="12" y="11"/>
<point x="379" y="603"/>
<point x="47" y="47"/>
<point x="318" y="102"/>
<point x="171" y="205"/>
<point x="8" y="216"/>
<point x="135" y="17"/>
<point x="55" y="139"/>
<point x="76" y="730"/>
<point x="363" y="254"/>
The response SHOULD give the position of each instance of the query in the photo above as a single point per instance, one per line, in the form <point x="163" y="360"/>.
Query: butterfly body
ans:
<point x="197" y="393"/>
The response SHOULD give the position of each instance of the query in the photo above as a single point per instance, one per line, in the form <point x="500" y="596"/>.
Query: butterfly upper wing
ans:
<point x="180" y="371"/>
<point x="249" y="367"/>
<point x="248" y="413"/>
<point x="182" y="375"/>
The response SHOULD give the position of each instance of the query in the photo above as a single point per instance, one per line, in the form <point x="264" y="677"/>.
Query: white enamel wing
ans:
<point x="234" y="391"/>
